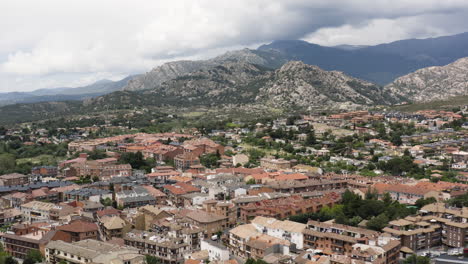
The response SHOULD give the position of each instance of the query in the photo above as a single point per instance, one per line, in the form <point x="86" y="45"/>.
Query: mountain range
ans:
<point x="65" y="93"/>
<point x="380" y="64"/>
<point x="287" y="74"/>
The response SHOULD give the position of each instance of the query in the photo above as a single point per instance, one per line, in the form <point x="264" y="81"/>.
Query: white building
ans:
<point x="288" y="230"/>
<point x="216" y="251"/>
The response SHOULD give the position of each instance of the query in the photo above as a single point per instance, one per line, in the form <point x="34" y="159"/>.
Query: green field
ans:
<point x="41" y="159"/>
<point x="436" y="105"/>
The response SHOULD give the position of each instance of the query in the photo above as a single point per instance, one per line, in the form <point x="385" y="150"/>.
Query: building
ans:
<point x="210" y="223"/>
<point x="37" y="211"/>
<point x="136" y="197"/>
<point x="80" y="230"/>
<point x="434" y="225"/>
<point x="288" y="230"/>
<point x="246" y="241"/>
<point x="185" y="161"/>
<point x="91" y="251"/>
<point x="113" y="226"/>
<point x="358" y="243"/>
<point x="13" y="179"/>
<point x="284" y="207"/>
<point x="216" y="251"/>
<point x="170" y="250"/>
<point x="37" y="173"/>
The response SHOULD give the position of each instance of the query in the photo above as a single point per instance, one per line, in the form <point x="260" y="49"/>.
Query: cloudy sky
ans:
<point x="54" y="43"/>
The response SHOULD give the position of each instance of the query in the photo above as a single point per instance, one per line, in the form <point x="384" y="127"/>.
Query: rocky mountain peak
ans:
<point x="433" y="83"/>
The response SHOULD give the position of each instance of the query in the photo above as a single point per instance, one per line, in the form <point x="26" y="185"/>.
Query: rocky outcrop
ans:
<point x="300" y="85"/>
<point x="433" y="83"/>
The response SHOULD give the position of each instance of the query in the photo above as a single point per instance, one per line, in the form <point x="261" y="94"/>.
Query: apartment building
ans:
<point x="185" y="161"/>
<point x="247" y="241"/>
<point x="284" y="207"/>
<point x="37" y="211"/>
<point x="336" y="239"/>
<point x="288" y="230"/>
<point x="434" y="225"/>
<point x="13" y="179"/>
<point x="170" y="250"/>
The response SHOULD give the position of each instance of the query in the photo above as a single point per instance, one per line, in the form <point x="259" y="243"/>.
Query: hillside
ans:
<point x="172" y="70"/>
<point x="433" y="83"/>
<point x="303" y="86"/>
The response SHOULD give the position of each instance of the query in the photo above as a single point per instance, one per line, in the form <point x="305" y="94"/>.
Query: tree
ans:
<point x="10" y="260"/>
<point x="378" y="223"/>
<point x="136" y="160"/>
<point x="413" y="259"/>
<point x="421" y="202"/>
<point x="33" y="256"/>
<point x="251" y="181"/>
<point x="310" y="139"/>
<point x="7" y="163"/>
<point x="152" y="259"/>
<point x="210" y="160"/>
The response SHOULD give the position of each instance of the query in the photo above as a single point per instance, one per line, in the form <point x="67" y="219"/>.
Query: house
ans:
<point x="137" y="196"/>
<point x="216" y="251"/>
<point x="13" y="179"/>
<point x="113" y="226"/>
<point x="176" y="191"/>
<point x="80" y="230"/>
<point x="210" y="223"/>
<point x="147" y="215"/>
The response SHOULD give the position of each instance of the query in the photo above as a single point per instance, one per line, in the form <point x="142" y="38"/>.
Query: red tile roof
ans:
<point x="181" y="188"/>
<point x="79" y="226"/>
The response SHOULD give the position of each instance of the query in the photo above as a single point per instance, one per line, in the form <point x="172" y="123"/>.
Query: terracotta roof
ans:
<point x="294" y="176"/>
<point x="79" y="226"/>
<point x="108" y="212"/>
<point x="204" y="217"/>
<point x="181" y="188"/>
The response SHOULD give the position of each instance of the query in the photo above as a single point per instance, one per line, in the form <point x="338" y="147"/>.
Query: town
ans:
<point x="346" y="187"/>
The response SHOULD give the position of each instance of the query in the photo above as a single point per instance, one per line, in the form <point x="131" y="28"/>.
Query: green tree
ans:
<point x="7" y="163"/>
<point x="413" y="259"/>
<point x="422" y="202"/>
<point x="378" y="223"/>
<point x="310" y="139"/>
<point x="10" y="260"/>
<point x="251" y="181"/>
<point x="152" y="259"/>
<point x="210" y="160"/>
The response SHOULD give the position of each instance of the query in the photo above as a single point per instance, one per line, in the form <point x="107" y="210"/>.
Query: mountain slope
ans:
<point x="295" y="85"/>
<point x="433" y="83"/>
<point x="303" y="86"/>
<point x="172" y="70"/>
<point x="381" y="63"/>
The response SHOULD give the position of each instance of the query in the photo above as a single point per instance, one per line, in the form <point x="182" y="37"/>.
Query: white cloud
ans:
<point x="383" y="30"/>
<point x="58" y="42"/>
